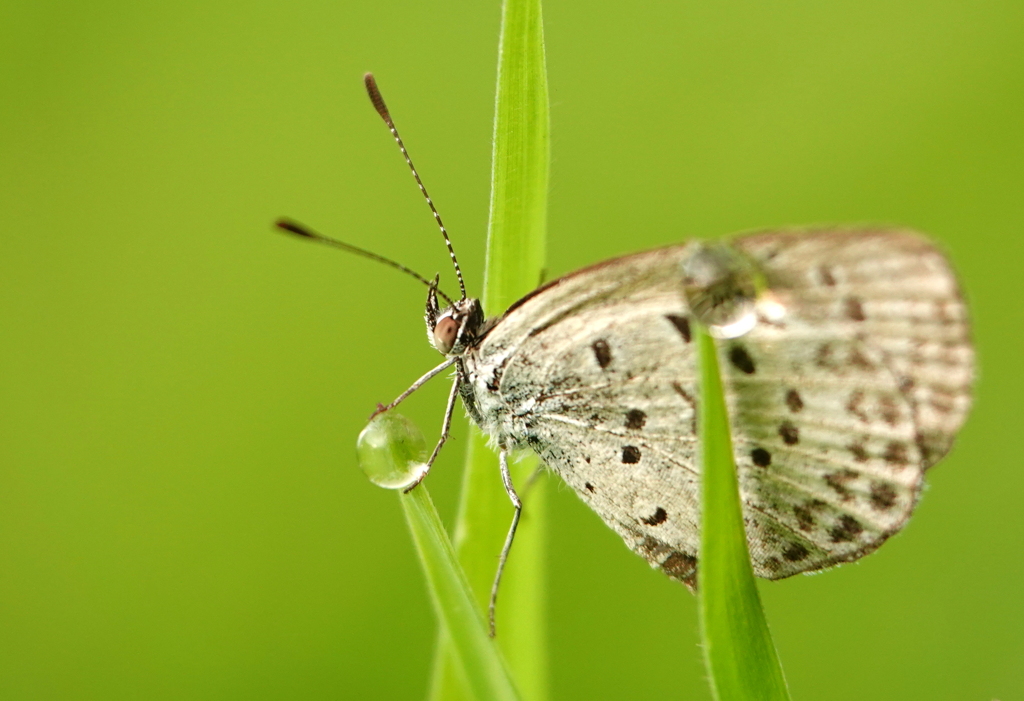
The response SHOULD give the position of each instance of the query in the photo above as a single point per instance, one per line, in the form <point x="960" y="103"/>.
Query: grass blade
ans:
<point x="484" y="672"/>
<point x="519" y="169"/>
<point x="515" y="259"/>
<point x="738" y="648"/>
<point x="392" y="453"/>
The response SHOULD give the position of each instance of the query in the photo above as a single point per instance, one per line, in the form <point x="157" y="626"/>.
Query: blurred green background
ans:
<point x="180" y="388"/>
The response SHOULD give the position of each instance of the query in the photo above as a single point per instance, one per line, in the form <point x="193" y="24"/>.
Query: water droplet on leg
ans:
<point x="392" y="451"/>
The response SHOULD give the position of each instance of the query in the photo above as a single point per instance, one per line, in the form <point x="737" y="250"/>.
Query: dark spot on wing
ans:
<point x="932" y="447"/>
<point x="823" y="357"/>
<point x="794" y="401"/>
<point x="739" y="357"/>
<point x="853" y="405"/>
<point x="804" y="517"/>
<point x="838" y="480"/>
<point x="790" y="433"/>
<point x="896" y="454"/>
<point x="635" y="418"/>
<point x="680" y="566"/>
<point x="846" y="530"/>
<point x="630" y="454"/>
<point x="761" y="457"/>
<point x="858" y="451"/>
<point x="589" y="486"/>
<point x="795" y="552"/>
<point x="889" y="410"/>
<point x="650" y="547"/>
<point x="825" y="273"/>
<point x="883" y="496"/>
<point x="586" y="458"/>
<point x="658" y="517"/>
<point x="854" y="309"/>
<point x="682" y="325"/>
<point x="602" y="353"/>
<point x="906" y="383"/>
<point x="859" y="360"/>
<point x="494" y="384"/>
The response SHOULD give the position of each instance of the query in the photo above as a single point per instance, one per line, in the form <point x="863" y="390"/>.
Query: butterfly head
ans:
<point x="456" y="327"/>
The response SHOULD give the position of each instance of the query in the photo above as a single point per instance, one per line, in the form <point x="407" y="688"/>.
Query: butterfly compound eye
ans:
<point x="444" y="334"/>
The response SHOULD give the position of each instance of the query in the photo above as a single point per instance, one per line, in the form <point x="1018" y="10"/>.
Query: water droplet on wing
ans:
<point x="720" y="285"/>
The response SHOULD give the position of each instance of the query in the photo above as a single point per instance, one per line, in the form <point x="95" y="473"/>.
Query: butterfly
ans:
<point x="847" y="365"/>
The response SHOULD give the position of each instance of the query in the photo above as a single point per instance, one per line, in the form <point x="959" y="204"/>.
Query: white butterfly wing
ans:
<point x="595" y="372"/>
<point x="837" y="408"/>
<point x="840" y="406"/>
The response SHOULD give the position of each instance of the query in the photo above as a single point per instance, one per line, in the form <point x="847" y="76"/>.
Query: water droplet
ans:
<point x="721" y="287"/>
<point x="392" y="451"/>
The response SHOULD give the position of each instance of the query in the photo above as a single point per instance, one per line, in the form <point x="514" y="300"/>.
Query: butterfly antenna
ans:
<point x="382" y="110"/>
<point x="299" y="230"/>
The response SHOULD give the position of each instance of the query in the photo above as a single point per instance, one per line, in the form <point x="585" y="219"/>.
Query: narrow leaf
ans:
<point x="392" y="452"/>
<point x="477" y="656"/>
<point x="515" y="258"/>
<point x="738" y="648"/>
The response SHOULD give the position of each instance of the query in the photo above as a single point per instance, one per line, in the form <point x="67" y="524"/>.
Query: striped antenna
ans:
<point x="293" y="227"/>
<point x="382" y="110"/>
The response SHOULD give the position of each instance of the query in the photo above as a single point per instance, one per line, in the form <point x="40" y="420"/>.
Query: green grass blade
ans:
<point x="483" y="521"/>
<point x="515" y="259"/>
<point x="392" y="453"/>
<point x="484" y="672"/>
<point x="519" y="168"/>
<point x="738" y="648"/>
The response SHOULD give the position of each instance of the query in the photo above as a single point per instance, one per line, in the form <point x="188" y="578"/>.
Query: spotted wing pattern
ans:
<point x="837" y="407"/>
<point x="596" y="373"/>
<point x="840" y="406"/>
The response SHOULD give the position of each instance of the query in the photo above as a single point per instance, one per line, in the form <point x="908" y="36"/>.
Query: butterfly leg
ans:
<point x="449" y="410"/>
<point x="506" y="479"/>
<point x="415" y="386"/>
